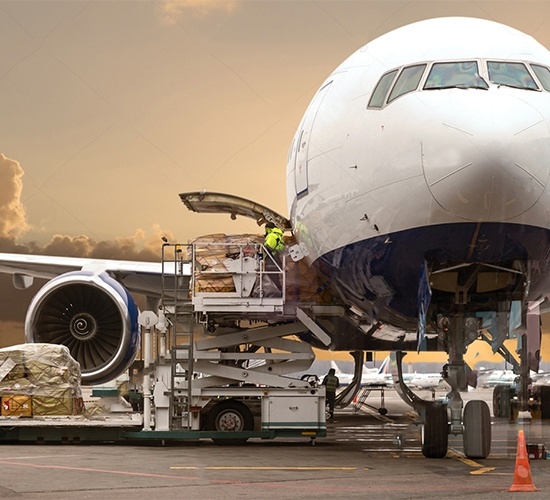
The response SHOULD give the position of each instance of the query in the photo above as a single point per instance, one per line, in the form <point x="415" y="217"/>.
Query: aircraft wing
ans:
<point x="138" y="277"/>
<point x="87" y="305"/>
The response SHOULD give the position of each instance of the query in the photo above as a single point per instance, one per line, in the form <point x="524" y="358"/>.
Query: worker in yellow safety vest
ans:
<point x="331" y="382"/>
<point x="275" y="245"/>
<point x="274" y="241"/>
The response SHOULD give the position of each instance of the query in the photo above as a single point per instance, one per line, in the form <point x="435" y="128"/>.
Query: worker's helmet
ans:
<point x="269" y="225"/>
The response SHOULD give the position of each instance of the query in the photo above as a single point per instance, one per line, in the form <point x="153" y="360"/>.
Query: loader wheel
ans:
<point x="230" y="416"/>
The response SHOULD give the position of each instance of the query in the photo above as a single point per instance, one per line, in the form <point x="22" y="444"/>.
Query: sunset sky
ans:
<point x="110" y="109"/>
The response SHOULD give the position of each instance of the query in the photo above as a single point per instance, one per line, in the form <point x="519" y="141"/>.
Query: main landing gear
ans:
<point x="441" y="418"/>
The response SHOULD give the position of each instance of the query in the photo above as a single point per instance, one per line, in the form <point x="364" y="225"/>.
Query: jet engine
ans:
<point x="91" y="314"/>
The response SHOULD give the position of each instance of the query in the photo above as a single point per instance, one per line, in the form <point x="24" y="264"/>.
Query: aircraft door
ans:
<point x="300" y="170"/>
<point x="304" y="141"/>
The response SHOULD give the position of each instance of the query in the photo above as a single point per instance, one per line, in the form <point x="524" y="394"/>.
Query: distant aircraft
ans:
<point x="498" y="377"/>
<point x="426" y="380"/>
<point x="380" y="376"/>
<point x="418" y="183"/>
<point x="370" y="376"/>
<point x="508" y="377"/>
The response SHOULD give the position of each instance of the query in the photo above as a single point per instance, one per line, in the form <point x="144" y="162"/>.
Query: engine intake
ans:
<point x="91" y="314"/>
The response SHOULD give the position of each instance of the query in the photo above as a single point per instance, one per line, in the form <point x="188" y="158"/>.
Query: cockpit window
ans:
<point x="381" y="89"/>
<point x="511" y="74"/>
<point x="459" y="75"/>
<point x="463" y="75"/>
<point x="407" y="81"/>
<point x="543" y="74"/>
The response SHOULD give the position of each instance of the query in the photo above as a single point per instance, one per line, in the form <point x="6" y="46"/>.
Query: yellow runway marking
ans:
<point x="479" y="469"/>
<point x="469" y="462"/>
<point x="483" y="470"/>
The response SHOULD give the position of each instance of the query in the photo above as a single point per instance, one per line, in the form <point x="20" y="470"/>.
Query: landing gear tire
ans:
<point x="230" y="416"/>
<point x="435" y="431"/>
<point x="477" y="429"/>
<point x="545" y="402"/>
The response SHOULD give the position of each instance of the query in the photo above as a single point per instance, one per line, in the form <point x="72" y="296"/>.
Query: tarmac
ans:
<point x="364" y="455"/>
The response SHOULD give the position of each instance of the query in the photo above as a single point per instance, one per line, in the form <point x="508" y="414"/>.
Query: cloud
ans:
<point x="142" y="245"/>
<point x="13" y="221"/>
<point x="172" y="10"/>
<point x="138" y="246"/>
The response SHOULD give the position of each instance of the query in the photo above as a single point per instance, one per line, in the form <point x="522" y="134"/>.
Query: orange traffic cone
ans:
<point x="522" y="472"/>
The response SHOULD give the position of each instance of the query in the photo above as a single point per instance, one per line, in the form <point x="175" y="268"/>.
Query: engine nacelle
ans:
<point x="91" y="314"/>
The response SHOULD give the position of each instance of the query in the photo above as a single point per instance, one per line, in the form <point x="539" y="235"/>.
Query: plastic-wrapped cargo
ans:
<point x="12" y="366"/>
<point x="303" y="283"/>
<point x="211" y="251"/>
<point x="45" y="374"/>
<point x="51" y="364"/>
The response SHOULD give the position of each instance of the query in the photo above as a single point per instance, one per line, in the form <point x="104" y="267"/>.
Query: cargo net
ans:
<point x="303" y="283"/>
<point x="39" y="379"/>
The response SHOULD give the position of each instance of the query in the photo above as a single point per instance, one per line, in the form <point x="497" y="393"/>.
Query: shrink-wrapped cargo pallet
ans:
<point x="302" y="282"/>
<point x="44" y="378"/>
<point x="212" y="251"/>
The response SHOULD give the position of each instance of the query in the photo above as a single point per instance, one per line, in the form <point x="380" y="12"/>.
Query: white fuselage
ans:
<point x="429" y="157"/>
<point x="446" y="169"/>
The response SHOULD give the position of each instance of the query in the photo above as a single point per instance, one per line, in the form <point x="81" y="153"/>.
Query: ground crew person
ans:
<point x="274" y="241"/>
<point x="332" y="383"/>
<point x="275" y="245"/>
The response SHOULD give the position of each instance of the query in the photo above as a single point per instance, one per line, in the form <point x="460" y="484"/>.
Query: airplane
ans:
<point x="498" y="377"/>
<point x="426" y="380"/>
<point x="370" y="376"/>
<point x="417" y="183"/>
<point x="491" y="378"/>
<point x="379" y="376"/>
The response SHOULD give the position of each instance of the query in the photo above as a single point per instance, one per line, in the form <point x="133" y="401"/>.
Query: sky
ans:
<point x="110" y="109"/>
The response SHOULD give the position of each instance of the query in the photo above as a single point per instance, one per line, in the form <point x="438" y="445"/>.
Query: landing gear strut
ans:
<point x="434" y="414"/>
<point x="474" y="423"/>
<point x="441" y="418"/>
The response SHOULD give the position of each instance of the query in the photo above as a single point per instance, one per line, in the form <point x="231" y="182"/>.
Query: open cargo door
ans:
<point x="218" y="203"/>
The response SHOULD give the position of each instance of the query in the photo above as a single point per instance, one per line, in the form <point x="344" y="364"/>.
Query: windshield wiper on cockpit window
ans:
<point x="512" y="86"/>
<point x="462" y="86"/>
<point x="476" y="86"/>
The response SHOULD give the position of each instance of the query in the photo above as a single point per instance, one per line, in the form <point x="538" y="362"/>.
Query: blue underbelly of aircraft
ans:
<point x="381" y="275"/>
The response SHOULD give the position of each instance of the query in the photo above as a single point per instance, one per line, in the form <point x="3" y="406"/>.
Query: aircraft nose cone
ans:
<point x="489" y="159"/>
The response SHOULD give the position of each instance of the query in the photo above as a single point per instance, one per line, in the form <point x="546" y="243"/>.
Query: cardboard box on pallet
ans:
<point x="18" y="386"/>
<point x="211" y="251"/>
<point x="16" y="405"/>
<point x="53" y="405"/>
<point x="48" y="365"/>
